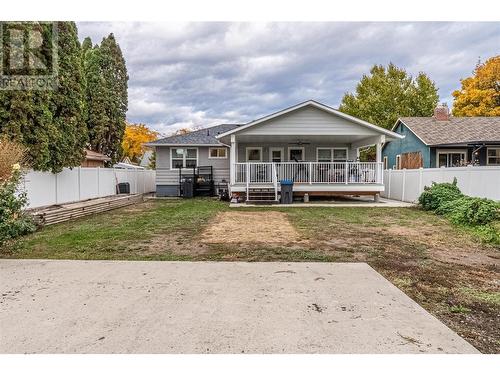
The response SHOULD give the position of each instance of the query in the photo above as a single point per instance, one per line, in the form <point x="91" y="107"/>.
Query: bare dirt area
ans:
<point x="246" y="227"/>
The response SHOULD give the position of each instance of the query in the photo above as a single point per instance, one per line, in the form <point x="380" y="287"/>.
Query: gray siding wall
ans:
<point x="309" y="121"/>
<point x="309" y="150"/>
<point x="167" y="176"/>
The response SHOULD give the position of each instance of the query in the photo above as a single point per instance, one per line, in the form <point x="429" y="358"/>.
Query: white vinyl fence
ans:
<point x="77" y="184"/>
<point x="407" y="184"/>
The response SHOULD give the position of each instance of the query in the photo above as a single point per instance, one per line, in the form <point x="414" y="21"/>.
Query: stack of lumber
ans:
<point x="64" y="212"/>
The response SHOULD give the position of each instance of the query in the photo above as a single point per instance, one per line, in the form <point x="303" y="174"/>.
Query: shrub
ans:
<point x="438" y="194"/>
<point x="11" y="153"/>
<point x="470" y="210"/>
<point x="13" y="220"/>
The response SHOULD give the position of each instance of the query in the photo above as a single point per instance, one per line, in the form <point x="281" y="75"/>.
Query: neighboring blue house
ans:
<point x="443" y="141"/>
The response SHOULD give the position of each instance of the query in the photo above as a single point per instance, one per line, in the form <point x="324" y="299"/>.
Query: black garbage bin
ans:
<point x="188" y="187"/>
<point x="123" y="188"/>
<point x="286" y="191"/>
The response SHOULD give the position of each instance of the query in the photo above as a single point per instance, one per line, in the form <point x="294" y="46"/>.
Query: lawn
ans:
<point x="444" y="268"/>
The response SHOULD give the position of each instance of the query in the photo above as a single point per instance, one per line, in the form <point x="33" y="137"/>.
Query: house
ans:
<point x="314" y="145"/>
<point x="94" y="159"/>
<point x="443" y="141"/>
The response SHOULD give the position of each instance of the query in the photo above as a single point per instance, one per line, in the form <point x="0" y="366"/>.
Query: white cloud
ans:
<point x="201" y="74"/>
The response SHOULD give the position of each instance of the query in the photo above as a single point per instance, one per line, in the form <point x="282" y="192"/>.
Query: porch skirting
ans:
<point x="343" y="189"/>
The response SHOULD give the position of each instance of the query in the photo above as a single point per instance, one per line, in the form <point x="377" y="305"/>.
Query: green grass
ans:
<point x="115" y="234"/>
<point x="406" y="245"/>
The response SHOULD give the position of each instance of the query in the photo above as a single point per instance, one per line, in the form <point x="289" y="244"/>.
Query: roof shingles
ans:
<point x="204" y="136"/>
<point x="456" y="130"/>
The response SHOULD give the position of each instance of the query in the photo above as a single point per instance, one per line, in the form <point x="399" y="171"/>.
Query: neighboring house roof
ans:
<point x="93" y="155"/>
<point x="146" y="158"/>
<point x="123" y="165"/>
<point x="206" y="136"/>
<point x="455" y="130"/>
<point x="320" y="106"/>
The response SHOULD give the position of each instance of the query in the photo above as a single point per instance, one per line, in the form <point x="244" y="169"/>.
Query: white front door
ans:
<point x="275" y="154"/>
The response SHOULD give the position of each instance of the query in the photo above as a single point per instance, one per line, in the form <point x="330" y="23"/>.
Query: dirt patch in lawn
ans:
<point x="442" y="249"/>
<point x="245" y="227"/>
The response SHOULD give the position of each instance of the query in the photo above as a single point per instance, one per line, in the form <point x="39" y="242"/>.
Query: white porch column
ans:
<point x="232" y="159"/>
<point x="378" y="147"/>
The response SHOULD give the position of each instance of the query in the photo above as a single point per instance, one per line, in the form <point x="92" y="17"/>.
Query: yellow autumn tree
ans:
<point x="136" y="135"/>
<point x="480" y="94"/>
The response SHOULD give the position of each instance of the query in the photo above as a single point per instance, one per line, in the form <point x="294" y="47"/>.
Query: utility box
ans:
<point x="286" y="192"/>
<point x="123" y="188"/>
<point x="187" y="187"/>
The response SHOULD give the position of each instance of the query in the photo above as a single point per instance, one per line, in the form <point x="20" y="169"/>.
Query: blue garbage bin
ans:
<point x="286" y="191"/>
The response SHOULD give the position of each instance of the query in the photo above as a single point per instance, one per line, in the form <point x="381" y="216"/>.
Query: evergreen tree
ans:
<point x="96" y="98"/>
<point x="50" y="123"/>
<point x="69" y="130"/>
<point x="106" y="122"/>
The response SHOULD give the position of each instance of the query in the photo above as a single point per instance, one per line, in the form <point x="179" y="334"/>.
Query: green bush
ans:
<point x="438" y="194"/>
<point x="470" y="210"/>
<point x="14" y="221"/>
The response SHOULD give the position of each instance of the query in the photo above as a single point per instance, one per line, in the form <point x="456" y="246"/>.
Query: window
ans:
<point x="184" y="158"/>
<point x="398" y="162"/>
<point x="275" y="154"/>
<point x="493" y="156"/>
<point x="254" y="153"/>
<point x="217" y="153"/>
<point x="296" y="153"/>
<point x="452" y="158"/>
<point x="328" y="155"/>
<point x="385" y="162"/>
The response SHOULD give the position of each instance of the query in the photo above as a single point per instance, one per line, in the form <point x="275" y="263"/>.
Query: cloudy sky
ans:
<point x="203" y="74"/>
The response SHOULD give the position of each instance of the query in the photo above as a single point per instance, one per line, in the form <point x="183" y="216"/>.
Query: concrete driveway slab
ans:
<point x="211" y="307"/>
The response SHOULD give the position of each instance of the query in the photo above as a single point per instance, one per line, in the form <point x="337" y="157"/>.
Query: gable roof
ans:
<point x="456" y="130"/>
<point x="317" y="105"/>
<point x="206" y="136"/>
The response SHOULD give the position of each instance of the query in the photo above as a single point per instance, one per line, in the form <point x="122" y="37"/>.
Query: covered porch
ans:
<point x="317" y="165"/>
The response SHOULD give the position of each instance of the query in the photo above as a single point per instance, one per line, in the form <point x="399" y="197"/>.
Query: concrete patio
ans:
<point x="208" y="307"/>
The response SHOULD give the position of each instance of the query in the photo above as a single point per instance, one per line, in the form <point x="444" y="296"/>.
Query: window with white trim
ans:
<point x="328" y="155"/>
<point x="183" y="157"/>
<point x="386" y="162"/>
<point x="217" y="153"/>
<point x="398" y="162"/>
<point x="493" y="156"/>
<point x="254" y="154"/>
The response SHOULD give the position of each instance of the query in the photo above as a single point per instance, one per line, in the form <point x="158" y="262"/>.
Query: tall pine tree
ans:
<point x="96" y="97"/>
<point x="67" y="102"/>
<point x="107" y="97"/>
<point x="50" y="123"/>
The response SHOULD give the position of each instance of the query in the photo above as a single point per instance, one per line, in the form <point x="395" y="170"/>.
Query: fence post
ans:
<point x="136" y="178"/>
<point x="404" y="185"/>
<point x="389" y="172"/>
<point x="420" y="179"/>
<point x="57" y="193"/>
<point x="79" y="184"/>
<point x="98" y="181"/>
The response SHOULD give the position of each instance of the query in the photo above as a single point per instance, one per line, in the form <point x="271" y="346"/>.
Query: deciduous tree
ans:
<point x="388" y="93"/>
<point x="480" y="93"/>
<point x="136" y="135"/>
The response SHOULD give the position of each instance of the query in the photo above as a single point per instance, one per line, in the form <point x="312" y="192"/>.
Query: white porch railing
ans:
<point x="309" y="173"/>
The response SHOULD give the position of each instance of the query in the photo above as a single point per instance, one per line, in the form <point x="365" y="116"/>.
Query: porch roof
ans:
<point x="389" y="135"/>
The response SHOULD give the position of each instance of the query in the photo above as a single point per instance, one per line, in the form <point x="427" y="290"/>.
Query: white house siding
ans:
<point x="309" y="121"/>
<point x="309" y="150"/>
